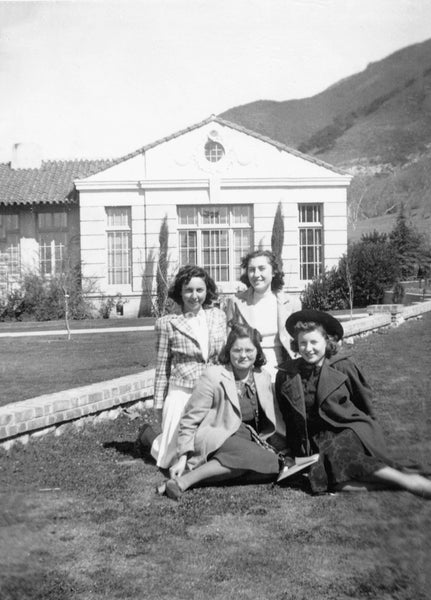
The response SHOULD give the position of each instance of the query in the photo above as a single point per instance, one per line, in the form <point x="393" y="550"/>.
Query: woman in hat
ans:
<point x="263" y="305"/>
<point x="326" y="405"/>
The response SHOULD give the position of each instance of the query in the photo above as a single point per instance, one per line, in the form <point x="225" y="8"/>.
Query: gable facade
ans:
<point x="216" y="188"/>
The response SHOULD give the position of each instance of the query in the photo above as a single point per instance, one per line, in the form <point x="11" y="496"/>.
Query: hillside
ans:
<point x="375" y="124"/>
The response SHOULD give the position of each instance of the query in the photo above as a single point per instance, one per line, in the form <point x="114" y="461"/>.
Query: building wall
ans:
<point x="176" y="173"/>
<point x="28" y="236"/>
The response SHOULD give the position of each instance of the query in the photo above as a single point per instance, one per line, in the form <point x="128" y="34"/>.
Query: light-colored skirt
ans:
<point x="164" y="447"/>
<point x="271" y="362"/>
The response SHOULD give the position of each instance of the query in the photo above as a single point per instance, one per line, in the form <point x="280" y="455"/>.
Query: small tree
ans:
<point x="409" y="247"/>
<point x="372" y="267"/>
<point x="162" y="269"/>
<point x="277" y="237"/>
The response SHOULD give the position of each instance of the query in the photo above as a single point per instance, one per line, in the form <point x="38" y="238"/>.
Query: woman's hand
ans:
<point x="177" y="468"/>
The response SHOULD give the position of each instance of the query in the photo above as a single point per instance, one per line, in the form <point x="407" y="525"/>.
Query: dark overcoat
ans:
<point x="344" y="401"/>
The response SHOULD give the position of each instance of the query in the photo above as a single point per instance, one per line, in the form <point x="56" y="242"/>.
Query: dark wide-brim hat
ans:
<point x="331" y="325"/>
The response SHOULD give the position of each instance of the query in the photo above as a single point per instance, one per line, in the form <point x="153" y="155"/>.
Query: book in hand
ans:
<point x="301" y="463"/>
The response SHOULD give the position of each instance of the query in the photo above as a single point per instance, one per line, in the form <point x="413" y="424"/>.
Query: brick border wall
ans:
<point x="48" y="412"/>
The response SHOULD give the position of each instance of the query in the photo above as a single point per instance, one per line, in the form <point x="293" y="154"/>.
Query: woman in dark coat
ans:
<point x="326" y="405"/>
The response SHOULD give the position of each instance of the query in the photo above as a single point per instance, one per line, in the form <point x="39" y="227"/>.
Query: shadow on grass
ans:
<point x="131" y="450"/>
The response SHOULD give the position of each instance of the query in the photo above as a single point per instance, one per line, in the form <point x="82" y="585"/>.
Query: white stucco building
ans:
<point x="217" y="185"/>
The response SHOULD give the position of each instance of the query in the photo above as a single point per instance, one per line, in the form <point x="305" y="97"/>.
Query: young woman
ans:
<point x="326" y="405"/>
<point x="263" y="306"/>
<point x="186" y="344"/>
<point x="229" y="420"/>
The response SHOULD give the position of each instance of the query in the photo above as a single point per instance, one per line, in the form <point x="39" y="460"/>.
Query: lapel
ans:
<point x="244" y="304"/>
<point x="181" y="323"/>
<point x="228" y="383"/>
<point x="292" y="388"/>
<point x="265" y="398"/>
<point x="330" y="379"/>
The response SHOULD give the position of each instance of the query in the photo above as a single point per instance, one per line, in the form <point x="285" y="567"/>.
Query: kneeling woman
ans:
<point x="229" y="421"/>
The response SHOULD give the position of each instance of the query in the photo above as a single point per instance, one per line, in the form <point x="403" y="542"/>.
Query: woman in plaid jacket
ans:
<point x="186" y="344"/>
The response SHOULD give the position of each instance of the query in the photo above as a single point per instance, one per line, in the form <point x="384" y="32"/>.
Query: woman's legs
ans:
<point x="209" y="471"/>
<point x="412" y="482"/>
<point x="387" y="478"/>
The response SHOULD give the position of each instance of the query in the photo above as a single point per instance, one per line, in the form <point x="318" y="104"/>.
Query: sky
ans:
<point x="101" y="79"/>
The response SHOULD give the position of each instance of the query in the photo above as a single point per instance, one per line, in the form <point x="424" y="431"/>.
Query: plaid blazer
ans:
<point x="179" y="357"/>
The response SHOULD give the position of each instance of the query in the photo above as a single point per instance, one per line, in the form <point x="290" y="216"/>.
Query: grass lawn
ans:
<point x="32" y="366"/>
<point x="81" y="521"/>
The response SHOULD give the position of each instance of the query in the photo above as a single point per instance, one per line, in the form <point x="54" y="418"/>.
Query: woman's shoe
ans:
<point x="173" y="490"/>
<point x="161" y="488"/>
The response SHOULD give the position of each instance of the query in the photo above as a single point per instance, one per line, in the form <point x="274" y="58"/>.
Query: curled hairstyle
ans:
<point x="332" y="342"/>
<point x="239" y="331"/>
<point x="277" y="274"/>
<point x="183" y="277"/>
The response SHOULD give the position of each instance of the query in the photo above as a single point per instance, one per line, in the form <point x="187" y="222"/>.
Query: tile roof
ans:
<point x="51" y="183"/>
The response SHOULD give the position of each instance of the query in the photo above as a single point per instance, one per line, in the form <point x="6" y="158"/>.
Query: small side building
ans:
<point x="39" y="214"/>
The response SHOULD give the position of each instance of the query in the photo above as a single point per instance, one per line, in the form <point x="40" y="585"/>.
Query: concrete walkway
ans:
<point x="74" y="331"/>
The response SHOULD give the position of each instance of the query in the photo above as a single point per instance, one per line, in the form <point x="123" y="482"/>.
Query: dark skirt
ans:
<point x="241" y="452"/>
<point x="343" y="458"/>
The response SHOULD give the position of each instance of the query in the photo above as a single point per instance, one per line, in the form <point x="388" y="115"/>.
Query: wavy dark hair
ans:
<point x="332" y="344"/>
<point x="277" y="274"/>
<point x="238" y="331"/>
<point x="184" y="275"/>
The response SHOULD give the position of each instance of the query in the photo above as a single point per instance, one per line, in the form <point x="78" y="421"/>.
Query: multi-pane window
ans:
<point x="9" y="245"/>
<point x="119" y="238"/>
<point x="310" y="240"/>
<point x="52" y="231"/>
<point x="216" y="238"/>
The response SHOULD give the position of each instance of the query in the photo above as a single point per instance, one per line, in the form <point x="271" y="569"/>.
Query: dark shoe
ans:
<point x="146" y="436"/>
<point x="173" y="490"/>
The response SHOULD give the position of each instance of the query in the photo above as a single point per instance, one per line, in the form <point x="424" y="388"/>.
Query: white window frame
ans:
<point x="119" y="260"/>
<point x="52" y="237"/>
<point x="311" y="244"/>
<point x="198" y="229"/>
<point x="214" y="151"/>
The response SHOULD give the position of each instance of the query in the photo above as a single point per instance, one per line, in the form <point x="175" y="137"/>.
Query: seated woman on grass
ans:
<point x="326" y="405"/>
<point x="229" y="421"/>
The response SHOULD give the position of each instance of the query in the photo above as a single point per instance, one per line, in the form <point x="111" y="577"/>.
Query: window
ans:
<point x="310" y="240"/>
<point x="52" y="229"/>
<point x="119" y="234"/>
<point x="214" y="151"/>
<point x="9" y="246"/>
<point x="215" y="237"/>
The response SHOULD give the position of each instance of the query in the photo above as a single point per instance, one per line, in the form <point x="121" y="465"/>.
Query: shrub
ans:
<point x="41" y="299"/>
<point x="326" y="292"/>
<point x="372" y="268"/>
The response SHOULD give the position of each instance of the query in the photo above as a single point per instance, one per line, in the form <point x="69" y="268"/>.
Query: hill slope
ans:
<point x="375" y="124"/>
